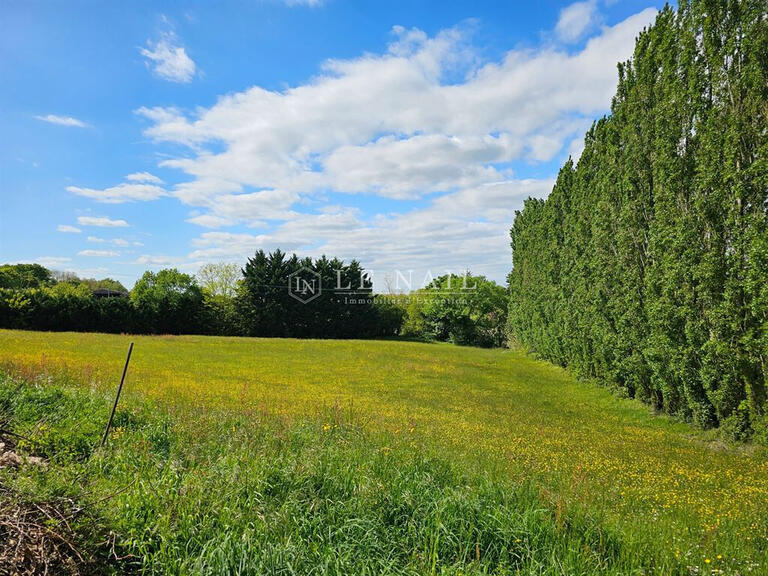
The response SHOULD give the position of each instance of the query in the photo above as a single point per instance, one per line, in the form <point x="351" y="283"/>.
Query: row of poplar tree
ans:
<point x="648" y="263"/>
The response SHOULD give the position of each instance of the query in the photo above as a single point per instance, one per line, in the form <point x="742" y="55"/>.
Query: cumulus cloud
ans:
<point x="410" y="167"/>
<point x="168" y="59"/>
<point x="52" y="261"/>
<point x="575" y="20"/>
<point x="397" y="125"/>
<point x="157" y="260"/>
<point x="125" y="192"/>
<point x="62" y="120"/>
<point x="210" y="221"/>
<point x="122" y="242"/>
<point x="140" y="187"/>
<point x="386" y="124"/>
<point x="464" y="229"/>
<point x="68" y="229"/>
<point x="101" y="221"/>
<point x="145" y="177"/>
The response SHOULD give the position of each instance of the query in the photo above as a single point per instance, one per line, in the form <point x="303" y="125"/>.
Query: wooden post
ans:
<point x="117" y="396"/>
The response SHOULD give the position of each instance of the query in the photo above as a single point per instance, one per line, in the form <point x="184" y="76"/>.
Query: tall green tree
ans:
<point x="646" y="266"/>
<point x="343" y="308"/>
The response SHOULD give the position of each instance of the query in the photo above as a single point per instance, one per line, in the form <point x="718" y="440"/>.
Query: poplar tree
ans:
<point x="647" y="266"/>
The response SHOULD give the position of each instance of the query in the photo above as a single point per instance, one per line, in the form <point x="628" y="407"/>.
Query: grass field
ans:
<point x="676" y="495"/>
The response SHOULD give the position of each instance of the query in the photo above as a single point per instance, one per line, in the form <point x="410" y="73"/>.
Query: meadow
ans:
<point x="677" y="500"/>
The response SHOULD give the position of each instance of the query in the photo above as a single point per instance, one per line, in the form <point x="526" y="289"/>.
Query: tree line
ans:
<point x="647" y="265"/>
<point x="271" y="296"/>
<point x="221" y="300"/>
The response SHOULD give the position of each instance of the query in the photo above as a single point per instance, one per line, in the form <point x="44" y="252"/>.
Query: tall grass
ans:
<point x="250" y="492"/>
<point x="673" y="493"/>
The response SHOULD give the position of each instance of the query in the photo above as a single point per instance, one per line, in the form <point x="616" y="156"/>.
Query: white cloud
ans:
<point x="396" y="125"/>
<point x="143" y="177"/>
<point x="575" y="148"/>
<point x="410" y="167"/>
<point x="575" y="20"/>
<point x="99" y="253"/>
<point x="387" y="125"/>
<point x="68" y="228"/>
<point x="52" y="261"/>
<point x="101" y="221"/>
<point x="465" y="229"/>
<point x="62" y="120"/>
<point x="210" y="221"/>
<point x="121" y="193"/>
<point x="122" y="242"/>
<point x="157" y="260"/>
<point x="168" y="59"/>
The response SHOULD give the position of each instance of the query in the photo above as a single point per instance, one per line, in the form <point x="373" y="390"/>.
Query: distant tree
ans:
<point x="220" y="279"/>
<point x="64" y="276"/>
<point x="168" y="302"/>
<point x="104" y="284"/>
<point x="220" y="284"/>
<point x="413" y="322"/>
<point x="20" y="276"/>
<point x="344" y="308"/>
<point x="17" y="308"/>
<point x="390" y="315"/>
<point x="264" y="305"/>
<point x="463" y="309"/>
<point x="65" y="306"/>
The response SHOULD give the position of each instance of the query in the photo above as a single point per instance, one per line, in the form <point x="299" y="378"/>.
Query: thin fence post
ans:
<point x="117" y="396"/>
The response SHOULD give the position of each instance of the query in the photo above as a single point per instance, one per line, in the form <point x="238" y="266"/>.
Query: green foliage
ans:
<point x="65" y="306"/>
<point x="35" y="299"/>
<point x="647" y="266"/>
<point x="390" y="316"/>
<point x="21" y="276"/>
<point x="104" y="284"/>
<point x="219" y="279"/>
<point x="344" y="306"/>
<point x="219" y="315"/>
<point x="470" y="310"/>
<point x="168" y="302"/>
<point x="15" y="308"/>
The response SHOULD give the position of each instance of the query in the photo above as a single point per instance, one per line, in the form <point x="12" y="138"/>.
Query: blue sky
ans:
<point x="404" y="134"/>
